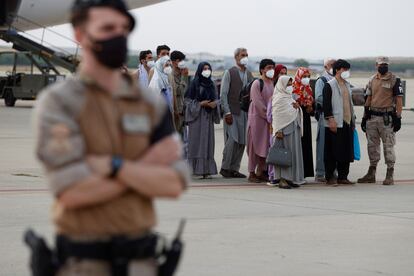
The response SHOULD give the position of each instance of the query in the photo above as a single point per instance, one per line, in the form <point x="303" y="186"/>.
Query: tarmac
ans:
<point x="236" y="228"/>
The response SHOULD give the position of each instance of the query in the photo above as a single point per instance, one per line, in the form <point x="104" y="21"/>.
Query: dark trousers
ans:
<point x="332" y="165"/>
<point x="339" y="151"/>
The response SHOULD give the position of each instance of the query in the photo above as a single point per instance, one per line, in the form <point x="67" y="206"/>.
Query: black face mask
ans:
<point x="111" y="52"/>
<point x="383" y="69"/>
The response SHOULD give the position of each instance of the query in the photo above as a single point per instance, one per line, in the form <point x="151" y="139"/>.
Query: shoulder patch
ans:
<point x="59" y="139"/>
<point x="68" y="94"/>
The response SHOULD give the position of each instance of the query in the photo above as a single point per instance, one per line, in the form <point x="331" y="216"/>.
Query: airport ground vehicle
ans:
<point x="25" y="76"/>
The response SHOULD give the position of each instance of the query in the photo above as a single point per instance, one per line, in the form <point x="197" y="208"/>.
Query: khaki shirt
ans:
<point x="76" y="118"/>
<point x="383" y="90"/>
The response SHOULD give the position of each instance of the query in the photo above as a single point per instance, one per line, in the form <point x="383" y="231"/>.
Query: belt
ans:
<point x="118" y="251"/>
<point x="382" y="109"/>
<point x="381" y="114"/>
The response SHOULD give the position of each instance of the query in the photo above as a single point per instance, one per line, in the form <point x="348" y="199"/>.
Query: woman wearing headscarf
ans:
<point x="160" y="80"/>
<point x="302" y="93"/>
<point x="201" y="113"/>
<point x="280" y="70"/>
<point x="287" y="127"/>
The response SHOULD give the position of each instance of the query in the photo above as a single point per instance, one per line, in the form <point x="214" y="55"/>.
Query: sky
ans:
<point x="311" y="29"/>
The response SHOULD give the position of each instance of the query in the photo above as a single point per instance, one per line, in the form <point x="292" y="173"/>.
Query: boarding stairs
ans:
<point x="37" y="43"/>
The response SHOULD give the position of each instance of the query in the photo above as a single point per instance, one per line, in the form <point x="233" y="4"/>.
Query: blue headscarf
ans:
<point x="201" y="88"/>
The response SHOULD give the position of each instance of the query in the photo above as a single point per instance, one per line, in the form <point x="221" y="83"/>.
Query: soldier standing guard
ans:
<point x="382" y="119"/>
<point x="109" y="149"/>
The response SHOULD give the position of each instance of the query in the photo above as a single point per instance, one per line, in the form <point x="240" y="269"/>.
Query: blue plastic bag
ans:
<point x="357" y="149"/>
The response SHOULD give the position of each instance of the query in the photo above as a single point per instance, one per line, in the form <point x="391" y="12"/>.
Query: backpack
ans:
<point x="324" y="79"/>
<point x="245" y="94"/>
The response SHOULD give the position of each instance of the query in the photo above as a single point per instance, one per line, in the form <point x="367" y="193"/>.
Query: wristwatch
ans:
<point x="116" y="164"/>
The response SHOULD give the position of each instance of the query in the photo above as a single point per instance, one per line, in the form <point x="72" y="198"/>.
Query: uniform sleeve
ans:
<point x="398" y="89"/>
<point x="183" y="85"/>
<point x="60" y="146"/>
<point x="327" y="101"/>
<point x="179" y="93"/>
<point x="368" y="91"/>
<point x="224" y="92"/>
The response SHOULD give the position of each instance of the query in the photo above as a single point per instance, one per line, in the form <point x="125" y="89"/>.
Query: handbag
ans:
<point x="357" y="149"/>
<point x="279" y="155"/>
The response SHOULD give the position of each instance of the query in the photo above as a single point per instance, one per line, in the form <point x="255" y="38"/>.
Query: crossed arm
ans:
<point x="79" y="180"/>
<point x="152" y="176"/>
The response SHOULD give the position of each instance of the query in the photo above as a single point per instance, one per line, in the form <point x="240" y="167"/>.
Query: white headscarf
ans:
<point x="282" y="110"/>
<point x="160" y="80"/>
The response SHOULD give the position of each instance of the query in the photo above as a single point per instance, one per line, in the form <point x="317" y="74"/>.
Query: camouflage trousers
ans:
<point x="75" y="267"/>
<point x="377" y="132"/>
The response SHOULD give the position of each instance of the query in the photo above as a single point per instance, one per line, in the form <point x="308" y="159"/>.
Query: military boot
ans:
<point x="389" y="179"/>
<point x="370" y="176"/>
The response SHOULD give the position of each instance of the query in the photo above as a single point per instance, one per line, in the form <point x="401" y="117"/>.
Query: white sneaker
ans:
<point x="273" y="183"/>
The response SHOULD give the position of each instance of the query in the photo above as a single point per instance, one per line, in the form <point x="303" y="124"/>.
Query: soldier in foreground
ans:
<point x="109" y="149"/>
<point x="382" y="119"/>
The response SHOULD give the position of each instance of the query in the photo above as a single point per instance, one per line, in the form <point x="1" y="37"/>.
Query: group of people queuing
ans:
<point x="195" y="105"/>
<point x="279" y="115"/>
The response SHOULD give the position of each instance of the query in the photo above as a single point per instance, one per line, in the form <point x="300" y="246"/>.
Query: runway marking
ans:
<point x="22" y="190"/>
<point x="251" y="185"/>
<point x="212" y="185"/>
<point x="25" y="174"/>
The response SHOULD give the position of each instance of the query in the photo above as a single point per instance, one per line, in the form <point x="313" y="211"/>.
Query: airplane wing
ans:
<point x="26" y="15"/>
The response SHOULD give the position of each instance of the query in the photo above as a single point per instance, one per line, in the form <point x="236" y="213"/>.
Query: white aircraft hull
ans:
<point x="24" y="15"/>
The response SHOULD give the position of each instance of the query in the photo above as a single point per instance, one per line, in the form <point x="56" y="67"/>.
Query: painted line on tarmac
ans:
<point x="227" y="185"/>
<point x="4" y="191"/>
<point x="212" y="185"/>
<point x="263" y="185"/>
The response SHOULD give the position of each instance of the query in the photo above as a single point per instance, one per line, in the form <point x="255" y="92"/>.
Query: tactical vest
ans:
<point x="382" y="93"/>
<point x="101" y="119"/>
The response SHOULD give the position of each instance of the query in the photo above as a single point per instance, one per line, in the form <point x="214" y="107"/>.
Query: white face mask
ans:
<point x="305" y="81"/>
<point x="150" y="63"/>
<point x="330" y="72"/>
<point x="244" y="61"/>
<point x="206" y="73"/>
<point x="182" y="64"/>
<point x="345" y="75"/>
<point x="270" y="74"/>
<point x="289" y="89"/>
<point x="168" y="70"/>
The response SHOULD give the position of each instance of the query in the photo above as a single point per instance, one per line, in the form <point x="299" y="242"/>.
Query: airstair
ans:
<point x="37" y="42"/>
